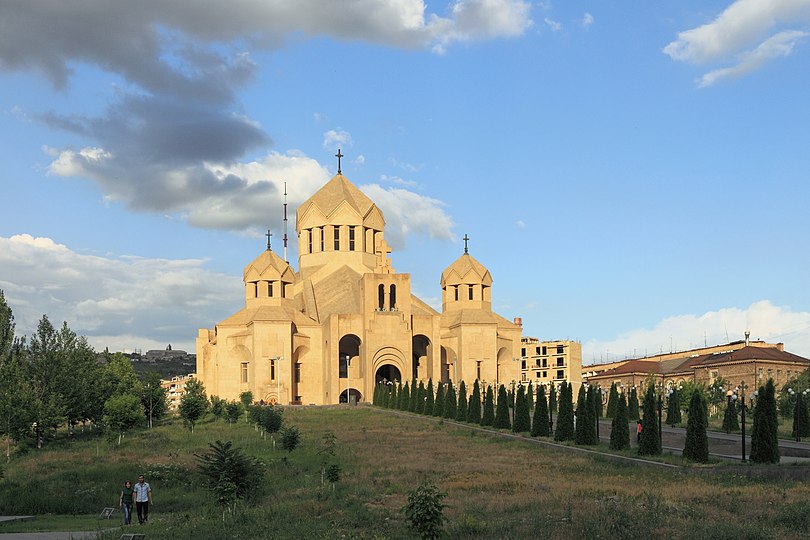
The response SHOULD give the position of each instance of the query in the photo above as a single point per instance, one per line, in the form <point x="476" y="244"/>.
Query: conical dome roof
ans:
<point x="333" y="193"/>
<point x="466" y="269"/>
<point x="267" y="264"/>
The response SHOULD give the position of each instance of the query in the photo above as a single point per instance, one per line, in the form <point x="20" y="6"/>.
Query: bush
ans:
<point x="290" y="437"/>
<point x="696" y="447"/>
<point x="229" y="474"/>
<point x="540" y="427"/>
<point x="619" y="430"/>
<point x="649" y="444"/>
<point x="764" y="443"/>
<point x="424" y="510"/>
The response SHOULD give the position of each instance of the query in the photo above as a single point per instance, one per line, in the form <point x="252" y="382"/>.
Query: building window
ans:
<point x="272" y="369"/>
<point x="351" y="238"/>
<point x="392" y="300"/>
<point x="560" y="374"/>
<point x="478" y="370"/>
<point x="523" y="351"/>
<point x="298" y="375"/>
<point x="255" y="289"/>
<point x="337" y="238"/>
<point x="522" y="376"/>
<point x="560" y="362"/>
<point x="537" y="362"/>
<point x="381" y="297"/>
<point x="523" y="364"/>
<point x="545" y="362"/>
<point x="270" y="289"/>
<point x="760" y="373"/>
<point x="545" y="349"/>
<point x="244" y="372"/>
<point x="537" y="350"/>
<point x="713" y="374"/>
<point x="322" y="242"/>
<point x="560" y="349"/>
<point x="455" y="290"/>
<point x="545" y="374"/>
<point x="309" y="240"/>
<point x="537" y="374"/>
<point x="284" y="289"/>
<point x="470" y="291"/>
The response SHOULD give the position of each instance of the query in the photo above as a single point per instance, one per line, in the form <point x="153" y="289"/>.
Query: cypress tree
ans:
<point x="376" y="398"/>
<point x="764" y="443"/>
<point x="502" y="410"/>
<point x="632" y="405"/>
<point x="420" y="398"/>
<point x="565" y="416"/>
<point x="581" y="420"/>
<point x="649" y="445"/>
<point x="396" y="391"/>
<point x="385" y="395"/>
<point x="412" y="401"/>
<point x="696" y="447"/>
<point x="611" y="407"/>
<point x="429" y="399"/>
<point x="488" y="417"/>
<point x="590" y="426"/>
<point x="801" y="421"/>
<point x="438" y="405"/>
<point x="619" y="430"/>
<point x="730" y="421"/>
<point x="599" y="404"/>
<point x="530" y="397"/>
<point x="450" y="403"/>
<point x="405" y="398"/>
<point x="674" y="408"/>
<point x="474" y="413"/>
<point x="522" y="421"/>
<point x="461" y="412"/>
<point x="552" y="399"/>
<point x="540" y="426"/>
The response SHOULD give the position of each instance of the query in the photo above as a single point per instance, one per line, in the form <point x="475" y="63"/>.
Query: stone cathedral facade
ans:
<point x="326" y="333"/>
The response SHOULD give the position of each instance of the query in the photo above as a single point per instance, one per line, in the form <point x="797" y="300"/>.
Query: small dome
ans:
<point x="466" y="269"/>
<point x="333" y="193"/>
<point x="268" y="264"/>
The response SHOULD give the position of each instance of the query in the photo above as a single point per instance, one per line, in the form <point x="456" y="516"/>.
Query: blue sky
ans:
<point x="635" y="176"/>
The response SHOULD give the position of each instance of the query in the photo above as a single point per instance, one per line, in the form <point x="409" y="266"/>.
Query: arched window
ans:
<point x="392" y="297"/>
<point x="381" y="297"/>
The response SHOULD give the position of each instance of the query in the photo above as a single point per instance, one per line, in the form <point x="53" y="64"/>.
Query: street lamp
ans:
<point x="348" y="363"/>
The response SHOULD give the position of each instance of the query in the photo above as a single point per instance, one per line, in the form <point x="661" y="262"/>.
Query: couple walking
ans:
<point x="141" y="494"/>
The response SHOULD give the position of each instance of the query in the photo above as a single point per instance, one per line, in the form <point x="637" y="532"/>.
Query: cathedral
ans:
<point x="346" y="319"/>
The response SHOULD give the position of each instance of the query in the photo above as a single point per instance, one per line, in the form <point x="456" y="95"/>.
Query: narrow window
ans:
<point x="381" y="297"/>
<point x="537" y="374"/>
<point x="523" y="351"/>
<point x="337" y="238"/>
<point x="478" y="370"/>
<point x="322" y="242"/>
<point x="545" y="374"/>
<point x="537" y="350"/>
<point x="255" y="289"/>
<point x="559" y="349"/>
<point x="270" y="289"/>
<point x="560" y="362"/>
<point x="309" y="240"/>
<point x="455" y="289"/>
<point x="351" y="238"/>
<point x="298" y="373"/>
<point x="523" y="364"/>
<point x="392" y="298"/>
<point x="470" y="291"/>
<point x="244" y="372"/>
<point x="272" y="369"/>
<point x="560" y="374"/>
<point x="545" y="349"/>
<point x="343" y="366"/>
<point x="545" y="362"/>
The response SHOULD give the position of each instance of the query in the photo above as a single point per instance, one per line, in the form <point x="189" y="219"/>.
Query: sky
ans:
<point x="636" y="176"/>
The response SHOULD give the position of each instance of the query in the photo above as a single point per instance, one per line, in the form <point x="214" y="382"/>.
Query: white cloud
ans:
<point x="587" y="20"/>
<point x="520" y="224"/>
<point x="779" y="45"/>
<point x="334" y="138"/>
<point x="764" y="320"/>
<point x="117" y="302"/>
<point x="360" y="160"/>
<point x="552" y="24"/>
<point x="407" y="213"/>
<point x="398" y="181"/>
<point x="754" y="30"/>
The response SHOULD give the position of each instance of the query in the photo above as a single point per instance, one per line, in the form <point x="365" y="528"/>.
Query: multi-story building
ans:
<point x="551" y="362"/>
<point x="176" y="389"/>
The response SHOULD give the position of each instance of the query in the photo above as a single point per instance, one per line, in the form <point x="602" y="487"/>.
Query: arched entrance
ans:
<point x="420" y="346"/>
<point x="387" y="372"/>
<point x="354" y="396"/>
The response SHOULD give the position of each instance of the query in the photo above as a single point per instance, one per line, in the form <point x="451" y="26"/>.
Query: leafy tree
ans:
<point x="565" y="417"/>
<point x="461" y="411"/>
<point x="488" y="416"/>
<point x="15" y="397"/>
<point x="45" y="372"/>
<point x="730" y="421"/>
<point x="619" y="429"/>
<point x="121" y="413"/>
<point x="502" y="410"/>
<point x="552" y="399"/>
<point x="786" y="401"/>
<point x="218" y="408"/>
<point x="429" y="399"/>
<point x="474" y="407"/>
<point x="450" y="402"/>
<point x="233" y="410"/>
<point x="153" y="397"/>
<point x="194" y="403"/>
<point x="290" y="437"/>
<point x="424" y="510"/>
<point x="420" y="398"/>
<point x="632" y="404"/>
<point x="270" y="418"/>
<point x="612" y="401"/>
<point x="6" y="328"/>
<point x="540" y="427"/>
<point x="246" y="399"/>
<point x="230" y="474"/>
<point x="649" y="444"/>
<point x="522" y="420"/>
<point x="674" y="407"/>
<point x="764" y="442"/>
<point x="696" y="447"/>
<point x="438" y="405"/>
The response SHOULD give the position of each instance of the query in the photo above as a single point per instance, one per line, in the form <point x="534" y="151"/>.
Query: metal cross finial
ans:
<point x="268" y="235"/>
<point x="339" y="155"/>
<point x="466" y="239"/>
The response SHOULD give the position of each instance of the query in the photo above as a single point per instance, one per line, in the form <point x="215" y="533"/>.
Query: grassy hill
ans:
<point x="497" y="488"/>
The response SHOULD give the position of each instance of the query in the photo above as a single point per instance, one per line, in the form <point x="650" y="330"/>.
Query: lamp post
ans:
<point x="729" y="395"/>
<point x="277" y="361"/>
<point x="348" y="363"/>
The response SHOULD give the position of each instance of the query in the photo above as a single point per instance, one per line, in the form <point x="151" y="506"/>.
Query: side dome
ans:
<point x="267" y="280"/>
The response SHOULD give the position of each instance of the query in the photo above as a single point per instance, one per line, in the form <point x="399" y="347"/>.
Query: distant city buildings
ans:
<point x="551" y="362"/>
<point x="176" y="389"/>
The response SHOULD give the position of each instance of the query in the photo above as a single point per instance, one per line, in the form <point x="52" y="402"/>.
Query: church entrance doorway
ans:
<point x="387" y="372"/>
<point x="351" y="396"/>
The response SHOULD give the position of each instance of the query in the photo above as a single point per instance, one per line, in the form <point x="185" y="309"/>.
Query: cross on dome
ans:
<point x="339" y="155"/>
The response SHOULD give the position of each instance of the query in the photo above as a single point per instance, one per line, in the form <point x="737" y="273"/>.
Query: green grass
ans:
<point x="497" y="488"/>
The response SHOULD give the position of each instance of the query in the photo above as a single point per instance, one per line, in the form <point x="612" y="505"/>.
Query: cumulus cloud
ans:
<point x="764" y="320"/>
<point x="749" y="32"/>
<point x="553" y="25"/>
<point x="332" y="139"/>
<point x="117" y="302"/>
<point x="587" y="20"/>
<point x="407" y="213"/>
<point x="398" y="181"/>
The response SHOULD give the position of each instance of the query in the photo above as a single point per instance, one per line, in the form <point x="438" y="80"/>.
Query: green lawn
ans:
<point x="497" y="488"/>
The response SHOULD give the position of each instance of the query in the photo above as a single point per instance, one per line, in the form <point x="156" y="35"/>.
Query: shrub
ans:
<point x="764" y="443"/>
<point x="540" y="427"/>
<point x="696" y="447"/>
<point x="522" y="421"/>
<point x="619" y="430"/>
<point x="649" y="444"/>
<point x="290" y="437"/>
<point x="502" y="410"/>
<point x="229" y="474"/>
<point x="424" y="510"/>
<point x="474" y="406"/>
<point x="488" y="417"/>
<point x="565" y="417"/>
<point x="461" y="410"/>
